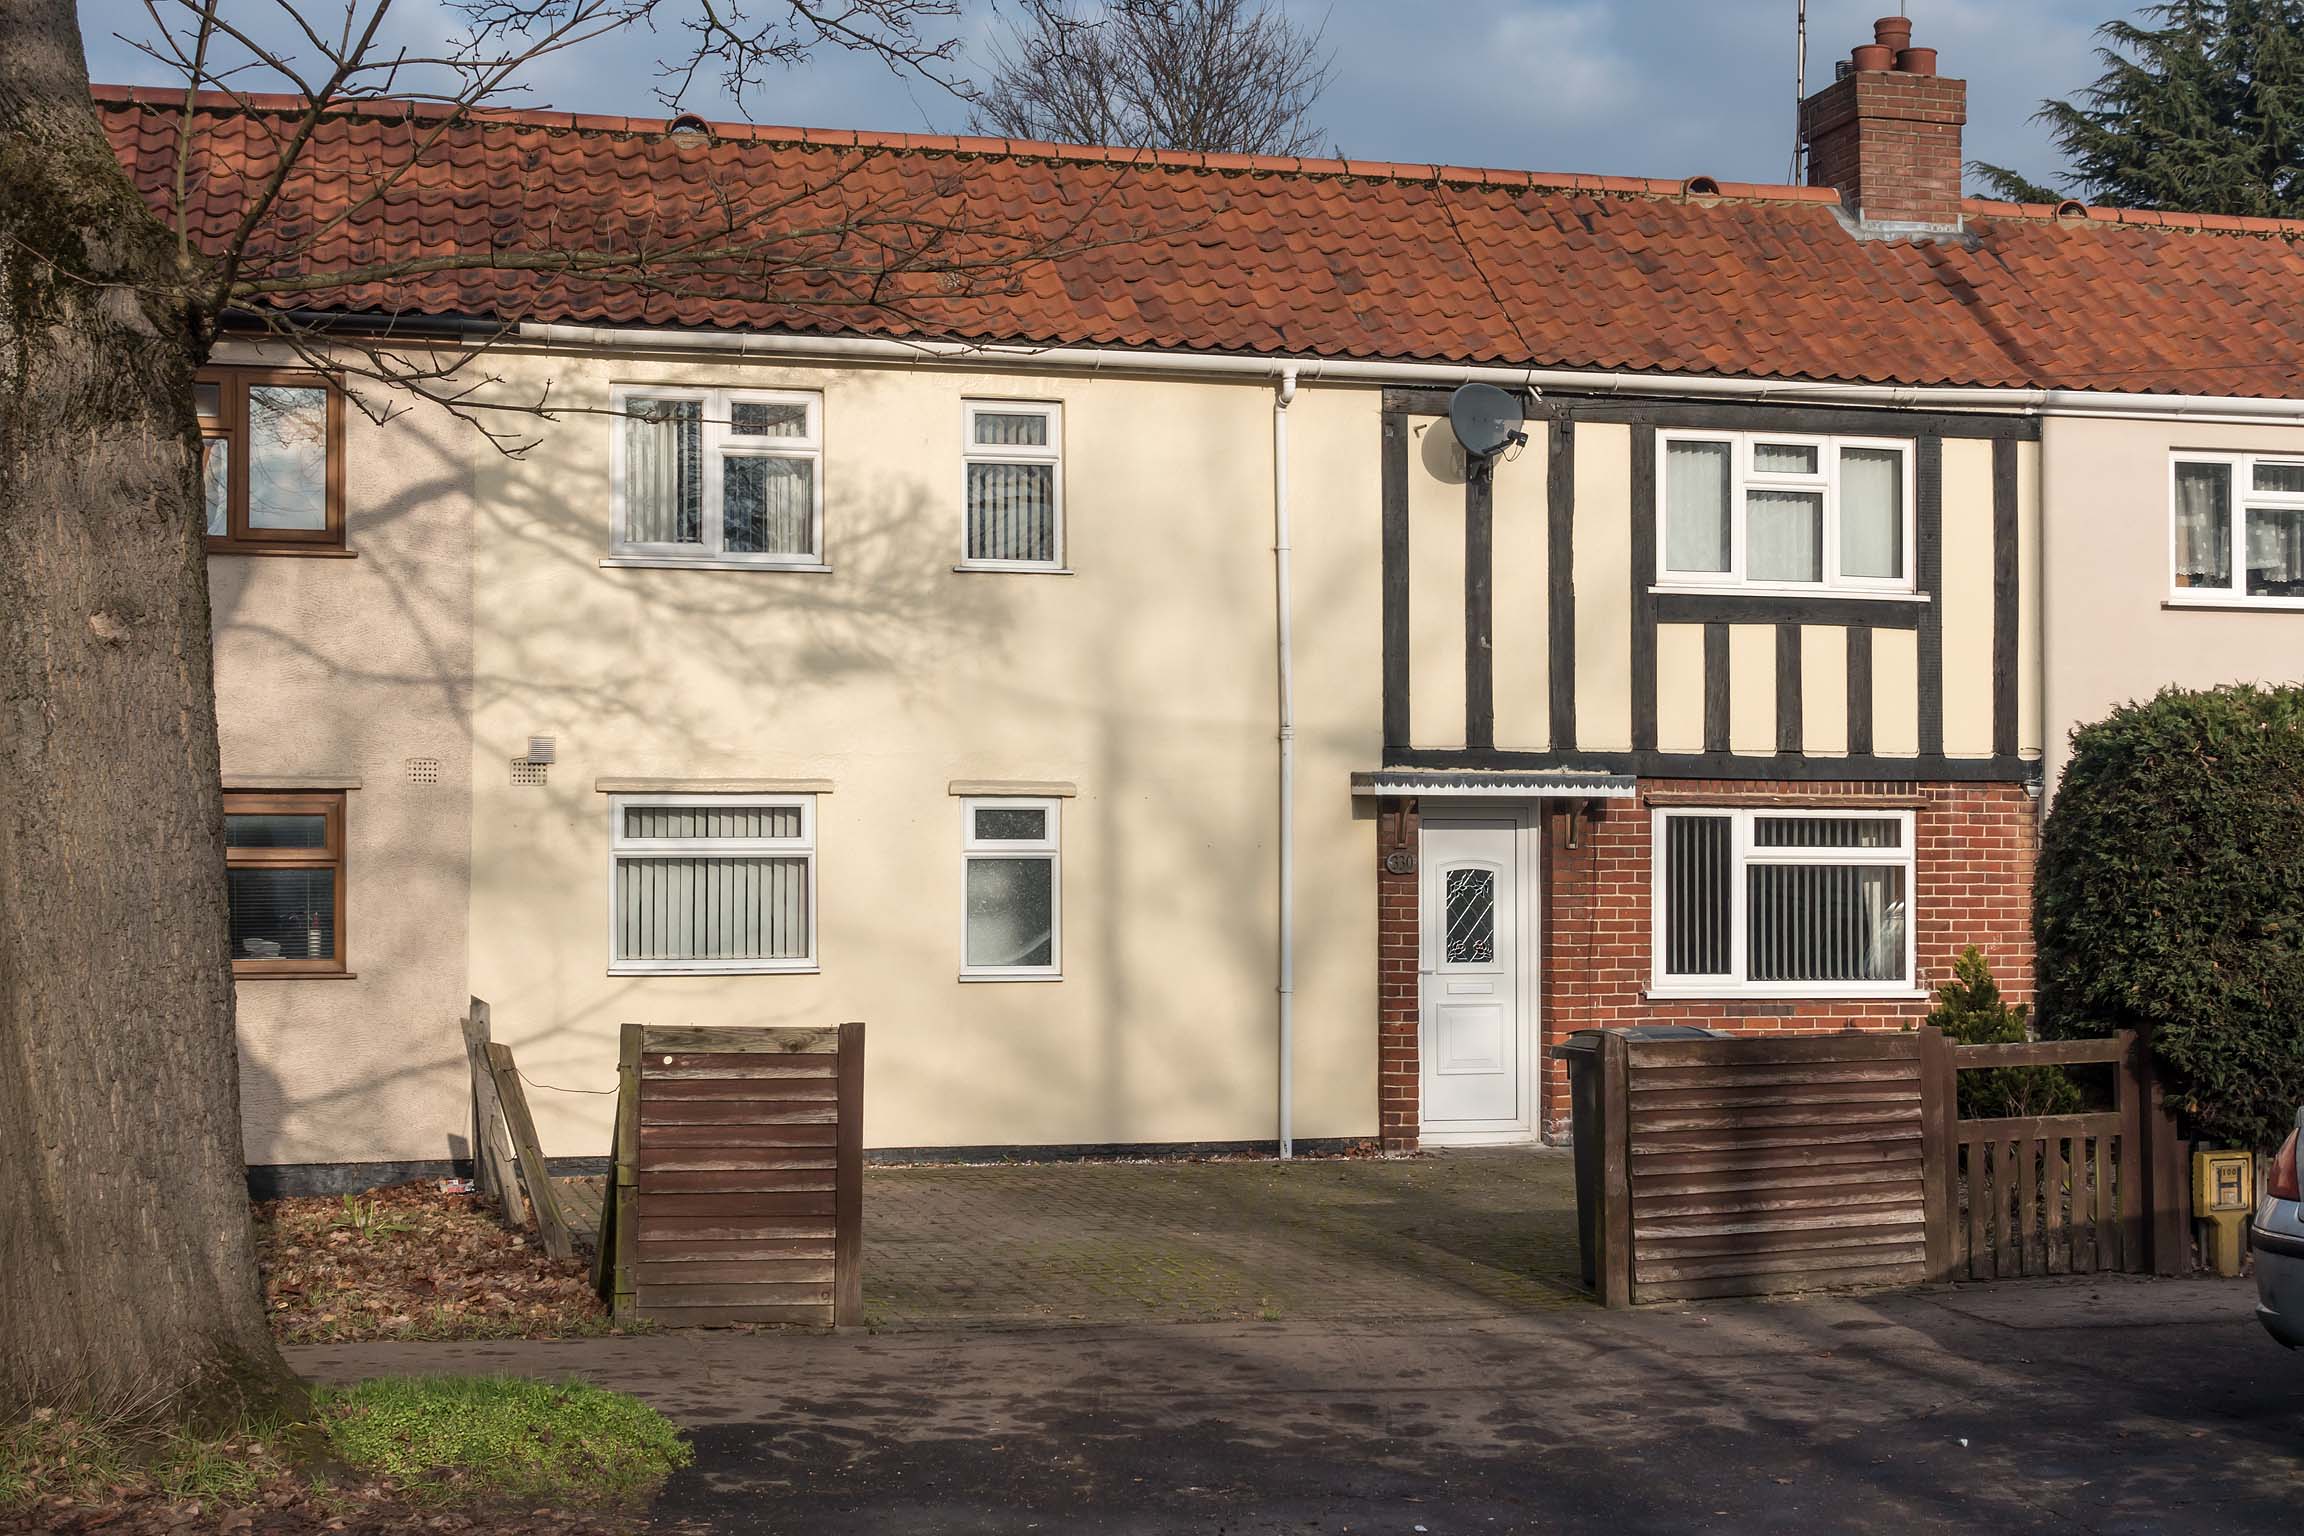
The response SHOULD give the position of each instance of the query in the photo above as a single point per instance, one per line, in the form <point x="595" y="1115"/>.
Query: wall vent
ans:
<point x="529" y="774"/>
<point x="423" y="770"/>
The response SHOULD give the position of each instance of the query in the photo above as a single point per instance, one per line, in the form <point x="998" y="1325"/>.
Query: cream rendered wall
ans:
<point x="1435" y="584"/>
<point x="331" y="668"/>
<point x="1680" y="687"/>
<point x="1823" y="690"/>
<point x="2109" y="633"/>
<point x="1603" y="540"/>
<point x="1752" y="689"/>
<point x="1967" y="597"/>
<point x="1146" y="679"/>
<point x="1522" y="632"/>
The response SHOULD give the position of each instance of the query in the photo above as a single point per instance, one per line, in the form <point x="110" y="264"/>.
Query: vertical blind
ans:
<point x="664" y="472"/>
<point x="1698" y="855"/>
<point x="768" y="505"/>
<point x="713" y="908"/>
<point x="720" y="822"/>
<point x="1804" y="919"/>
<point x="1784" y="535"/>
<point x="1011" y="511"/>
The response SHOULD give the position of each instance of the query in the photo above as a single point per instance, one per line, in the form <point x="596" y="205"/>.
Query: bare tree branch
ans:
<point x="1212" y="75"/>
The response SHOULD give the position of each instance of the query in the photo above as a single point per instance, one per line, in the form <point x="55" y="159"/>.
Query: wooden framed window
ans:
<point x="284" y="863"/>
<point x="272" y="460"/>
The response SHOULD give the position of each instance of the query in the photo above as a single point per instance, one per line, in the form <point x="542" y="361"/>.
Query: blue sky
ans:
<point x="1631" y="87"/>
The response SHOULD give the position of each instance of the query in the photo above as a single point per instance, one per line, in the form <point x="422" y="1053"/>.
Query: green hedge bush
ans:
<point x="2171" y="898"/>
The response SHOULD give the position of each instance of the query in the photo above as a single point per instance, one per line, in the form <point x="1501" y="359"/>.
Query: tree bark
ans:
<point x="127" y="1268"/>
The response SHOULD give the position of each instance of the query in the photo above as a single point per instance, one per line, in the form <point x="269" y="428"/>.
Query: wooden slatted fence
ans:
<point x="738" y="1193"/>
<point x="1760" y="1165"/>
<point x="1744" y="1166"/>
<point x="2057" y="1194"/>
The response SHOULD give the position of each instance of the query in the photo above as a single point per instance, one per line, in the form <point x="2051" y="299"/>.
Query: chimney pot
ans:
<point x="1886" y="134"/>
<point x="1872" y="56"/>
<point x="1893" y="33"/>
<point x="1917" y="61"/>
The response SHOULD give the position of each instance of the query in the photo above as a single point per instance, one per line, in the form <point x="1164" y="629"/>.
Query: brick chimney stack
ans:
<point x="1886" y="134"/>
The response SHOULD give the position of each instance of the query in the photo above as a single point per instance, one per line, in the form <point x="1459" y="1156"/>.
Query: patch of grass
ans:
<point x="462" y="1437"/>
<point x="56" y="1456"/>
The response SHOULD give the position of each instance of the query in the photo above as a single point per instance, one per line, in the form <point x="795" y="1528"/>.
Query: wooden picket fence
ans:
<point x="738" y="1191"/>
<point x="1746" y="1166"/>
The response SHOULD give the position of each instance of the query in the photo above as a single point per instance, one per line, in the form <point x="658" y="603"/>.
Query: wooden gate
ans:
<point x="1744" y="1166"/>
<point x="739" y="1182"/>
<point x="2062" y="1194"/>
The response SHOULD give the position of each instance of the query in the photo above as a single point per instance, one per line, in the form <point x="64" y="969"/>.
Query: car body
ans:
<point x="2276" y="1239"/>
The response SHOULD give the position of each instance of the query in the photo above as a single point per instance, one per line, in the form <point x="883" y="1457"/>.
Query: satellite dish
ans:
<point x="1487" y="419"/>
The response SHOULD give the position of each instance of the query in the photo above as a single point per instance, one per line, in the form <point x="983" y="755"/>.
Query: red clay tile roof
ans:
<point x="1229" y="253"/>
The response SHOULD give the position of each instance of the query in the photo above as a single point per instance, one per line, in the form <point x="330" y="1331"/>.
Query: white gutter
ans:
<point x="1284" y="604"/>
<point x="2053" y="402"/>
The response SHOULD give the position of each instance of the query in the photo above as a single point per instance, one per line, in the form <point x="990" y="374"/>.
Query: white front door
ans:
<point x="1475" y="1035"/>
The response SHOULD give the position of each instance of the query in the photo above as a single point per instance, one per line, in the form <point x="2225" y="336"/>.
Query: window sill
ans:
<point x="1760" y="589"/>
<point x="975" y="979"/>
<point x="239" y="975"/>
<point x="674" y="563"/>
<point x="300" y="551"/>
<point x="1016" y="570"/>
<point x="696" y="970"/>
<point x="1801" y="995"/>
<point x="2229" y="603"/>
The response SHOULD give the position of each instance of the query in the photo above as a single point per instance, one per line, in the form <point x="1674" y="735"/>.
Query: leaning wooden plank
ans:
<point x="709" y="1039"/>
<point x="491" y="1148"/>
<point x="624" y="1175"/>
<point x="534" y="1179"/>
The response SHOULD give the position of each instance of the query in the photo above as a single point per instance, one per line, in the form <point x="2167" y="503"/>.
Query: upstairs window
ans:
<point x="1015" y="486"/>
<point x="1782" y="904"/>
<point x="1784" y="513"/>
<point x="2238" y="529"/>
<point x="1012" y="889"/>
<point x="284" y="880"/>
<point x="271" y="460"/>
<point x="720" y="477"/>
<point x="712" y="884"/>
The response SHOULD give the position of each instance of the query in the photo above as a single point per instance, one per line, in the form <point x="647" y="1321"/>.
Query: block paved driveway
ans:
<point x="1251" y="1350"/>
<point x="1461" y="1234"/>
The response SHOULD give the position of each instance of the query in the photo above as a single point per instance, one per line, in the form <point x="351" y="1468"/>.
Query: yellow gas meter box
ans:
<point x="2222" y="1195"/>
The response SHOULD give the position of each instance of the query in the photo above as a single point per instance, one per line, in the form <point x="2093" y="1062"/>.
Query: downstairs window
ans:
<point x="712" y="884"/>
<point x="1783" y="904"/>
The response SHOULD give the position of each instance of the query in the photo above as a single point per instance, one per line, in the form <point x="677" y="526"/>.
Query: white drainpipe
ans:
<point x="1282" y="397"/>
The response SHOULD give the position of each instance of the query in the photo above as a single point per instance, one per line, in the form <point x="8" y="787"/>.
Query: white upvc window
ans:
<point x="1013" y="485"/>
<point x="711" y="884"/>
<point x="1784" y="512"/>
<point x="1011" y="889"/>
<point x="2236" y="529"/>
<point x="719" y="476"/>
<point x="1783" y="903"/>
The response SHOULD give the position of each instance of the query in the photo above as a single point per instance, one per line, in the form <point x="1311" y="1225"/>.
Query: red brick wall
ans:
<point x="1973" y="859"/>
<point x="1398" y="1083"/>
<point x="1890" y="143"/>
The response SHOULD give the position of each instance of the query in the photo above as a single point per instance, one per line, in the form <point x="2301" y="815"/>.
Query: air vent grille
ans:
<point x="423" y="770"/>
<point x="530" y="775"/>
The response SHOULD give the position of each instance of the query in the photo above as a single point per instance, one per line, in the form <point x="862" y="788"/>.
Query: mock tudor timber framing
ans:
<point x="1857" y="616"/>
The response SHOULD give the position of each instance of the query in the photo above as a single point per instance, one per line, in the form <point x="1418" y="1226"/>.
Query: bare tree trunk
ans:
<point x="127" y="1273"/>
